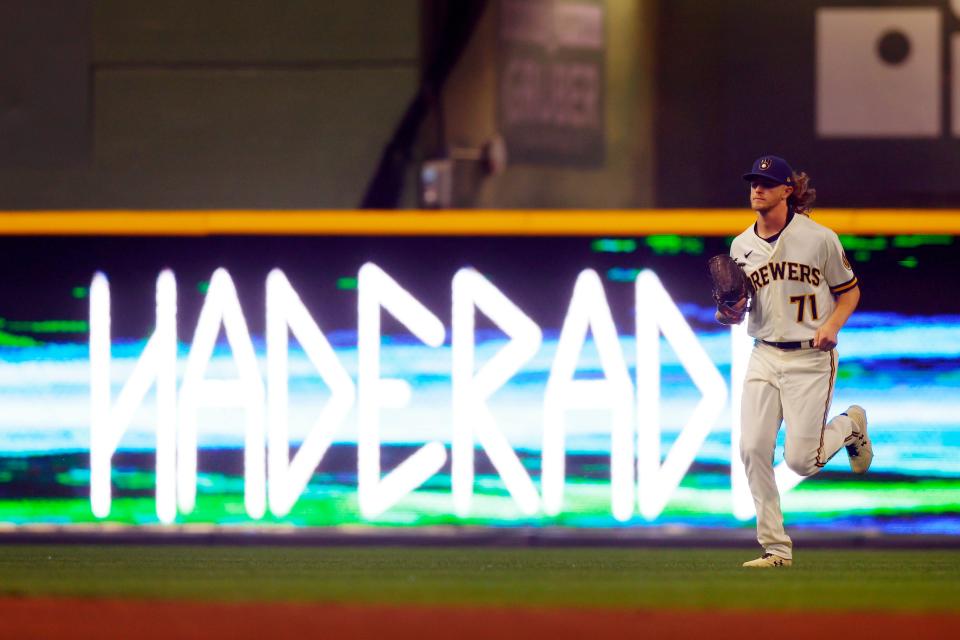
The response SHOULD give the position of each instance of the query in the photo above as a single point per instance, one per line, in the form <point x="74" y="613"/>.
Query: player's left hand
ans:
<point x="733" y="313"/>
<point x="826" y="338"/>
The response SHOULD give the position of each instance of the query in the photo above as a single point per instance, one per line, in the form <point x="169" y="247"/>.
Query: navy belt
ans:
<point x="803" y="344"/>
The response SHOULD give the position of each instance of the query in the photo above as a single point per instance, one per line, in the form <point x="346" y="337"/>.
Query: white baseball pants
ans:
<point x="795" y="386"/>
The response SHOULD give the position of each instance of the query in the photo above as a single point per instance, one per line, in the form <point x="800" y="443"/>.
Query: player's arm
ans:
<point x="837" y="269"/>
<point x="826" y="337"/>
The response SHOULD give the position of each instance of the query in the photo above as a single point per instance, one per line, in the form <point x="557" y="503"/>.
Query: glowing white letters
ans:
<point x="741" y="346"/>
<point x="266" y="441"/>
<point x="221" y="306"/>
<point x="376" y="290"/>
<point x="288" y="478"/>
<point x="471" y="416"/>
<point x="588" y="312"/>
<point x="656" y="312"/>
<point x="107" y="423"/>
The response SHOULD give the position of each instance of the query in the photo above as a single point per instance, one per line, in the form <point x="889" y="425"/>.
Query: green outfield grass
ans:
<point x="621" y="578"/>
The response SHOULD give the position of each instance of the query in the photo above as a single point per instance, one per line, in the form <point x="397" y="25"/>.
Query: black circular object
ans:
<point x="893" y="47"/>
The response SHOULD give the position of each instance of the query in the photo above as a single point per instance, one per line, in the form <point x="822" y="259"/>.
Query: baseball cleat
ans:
<point x="768" y="561"/>
<point x="858" y="445"/>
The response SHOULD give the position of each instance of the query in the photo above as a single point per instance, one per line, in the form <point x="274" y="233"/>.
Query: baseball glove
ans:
<point x="731" y="289"/>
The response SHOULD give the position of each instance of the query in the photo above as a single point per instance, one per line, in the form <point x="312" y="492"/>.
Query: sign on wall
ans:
<point x="863" y="96"/>
<point x="879" y="72"/>
<point x="551" y="67"/>
<point x="317" y="381"/>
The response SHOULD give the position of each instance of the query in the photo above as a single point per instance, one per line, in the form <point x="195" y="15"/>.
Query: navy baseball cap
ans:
<point x="771" y="168"/>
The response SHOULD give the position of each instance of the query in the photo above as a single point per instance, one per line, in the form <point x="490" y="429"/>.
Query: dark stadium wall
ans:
<point x="184" y="105"/>
<point x="859" y="94"/>
<point x="201" y="105"/>
<point x="44" y="89"/>
<point x="138" y="104"/>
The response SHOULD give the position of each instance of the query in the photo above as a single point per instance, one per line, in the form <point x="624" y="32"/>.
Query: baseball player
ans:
<point x="804" y="292"/>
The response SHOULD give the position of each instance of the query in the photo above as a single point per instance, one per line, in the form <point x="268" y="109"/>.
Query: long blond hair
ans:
<point x="803" y="196"/>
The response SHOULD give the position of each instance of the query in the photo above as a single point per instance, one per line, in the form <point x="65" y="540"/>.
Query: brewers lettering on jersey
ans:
<point x="804" y="291"/>
<point x="795" y="278"/>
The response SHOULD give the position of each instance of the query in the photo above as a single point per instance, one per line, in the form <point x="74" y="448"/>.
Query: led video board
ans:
<point x="501" y="380"/>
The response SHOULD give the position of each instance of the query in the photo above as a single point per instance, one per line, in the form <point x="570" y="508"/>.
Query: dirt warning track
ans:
<point x="154" y="619"/>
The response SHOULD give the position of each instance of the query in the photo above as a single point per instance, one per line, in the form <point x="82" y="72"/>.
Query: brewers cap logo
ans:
<point x="765" y="164"/>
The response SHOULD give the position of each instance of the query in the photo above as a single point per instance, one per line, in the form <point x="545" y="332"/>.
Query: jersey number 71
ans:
<point x="800" y="302"/>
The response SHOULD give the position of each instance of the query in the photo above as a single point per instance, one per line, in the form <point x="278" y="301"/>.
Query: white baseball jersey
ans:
<point x="795" y="278"/>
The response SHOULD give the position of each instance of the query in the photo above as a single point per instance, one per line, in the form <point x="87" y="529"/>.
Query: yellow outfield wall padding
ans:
<point x="711" y="222"/>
